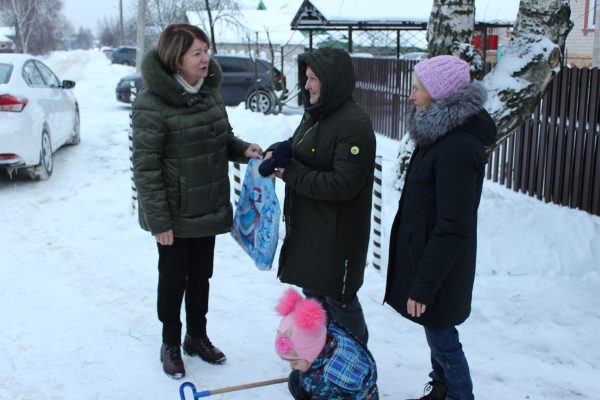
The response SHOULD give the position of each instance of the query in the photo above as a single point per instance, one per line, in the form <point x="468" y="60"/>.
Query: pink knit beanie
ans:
<point x="443" y="75"/>
<point x="303" y="329"/>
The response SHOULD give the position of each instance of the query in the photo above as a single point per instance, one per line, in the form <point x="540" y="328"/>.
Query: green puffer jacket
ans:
<point x="329" y="185"/>
<point x="181" y="146"/>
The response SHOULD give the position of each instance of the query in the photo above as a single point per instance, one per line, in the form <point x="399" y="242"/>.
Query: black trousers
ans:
<point x="348" y="314"/>
<point x="184" y="268"/>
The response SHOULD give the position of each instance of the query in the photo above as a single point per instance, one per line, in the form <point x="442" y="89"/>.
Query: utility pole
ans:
<point x="141" y="28"/>
<point x="121" y="26"/>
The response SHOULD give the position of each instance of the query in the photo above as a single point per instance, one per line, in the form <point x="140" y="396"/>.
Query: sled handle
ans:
<point x="206" y="393"/>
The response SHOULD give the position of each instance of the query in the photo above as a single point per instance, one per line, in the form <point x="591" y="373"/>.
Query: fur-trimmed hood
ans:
<point x="160" y="82"/>
<point x="431" y="123"/>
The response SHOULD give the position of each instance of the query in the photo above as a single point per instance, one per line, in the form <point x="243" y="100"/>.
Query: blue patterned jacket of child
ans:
<point x="328" y="362"/>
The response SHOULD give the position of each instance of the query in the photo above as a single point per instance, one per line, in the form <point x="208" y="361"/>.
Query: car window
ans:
<point x="32" y="75"/>
<point x="5" y="71"/>
<point x="49" y="77"/>
<point x="233" y="64"/>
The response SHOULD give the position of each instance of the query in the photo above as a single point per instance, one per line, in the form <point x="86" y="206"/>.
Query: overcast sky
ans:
<point x="88" y="13"/>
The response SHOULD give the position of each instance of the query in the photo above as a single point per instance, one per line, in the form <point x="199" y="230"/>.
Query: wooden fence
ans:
<point x="382" y="89"/>
<point x="555" y="156"/>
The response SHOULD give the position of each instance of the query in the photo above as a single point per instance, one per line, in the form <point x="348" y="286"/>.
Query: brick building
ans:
<point x="580" y="42"/>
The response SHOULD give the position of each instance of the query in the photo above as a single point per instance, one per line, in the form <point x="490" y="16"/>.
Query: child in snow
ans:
<point x="327" y="361"/>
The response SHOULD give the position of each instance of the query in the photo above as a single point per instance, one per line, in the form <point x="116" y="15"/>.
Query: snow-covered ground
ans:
<point x="78" y="281"/>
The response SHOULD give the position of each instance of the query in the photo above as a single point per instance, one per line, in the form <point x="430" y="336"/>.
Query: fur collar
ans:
<point x="163" y="84"/>
<point x="431" y="123"/>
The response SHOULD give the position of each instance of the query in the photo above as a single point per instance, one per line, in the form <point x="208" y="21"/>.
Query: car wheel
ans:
<point x="127" y="63"/>
<point x="43" y="171"/>
<point x="76" y="136"/>
<point x="263" y="102"/>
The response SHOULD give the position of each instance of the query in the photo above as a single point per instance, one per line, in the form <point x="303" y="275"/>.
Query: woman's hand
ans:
<point x="414" y="308"/>
<point x="165" y="238"/>
<point x="253" y="151"/>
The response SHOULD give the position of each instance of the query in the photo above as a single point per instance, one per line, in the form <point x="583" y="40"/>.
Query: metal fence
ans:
<point x="554" y="156"/>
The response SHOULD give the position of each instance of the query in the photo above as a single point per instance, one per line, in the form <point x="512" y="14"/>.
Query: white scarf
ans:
<point x="186" y="86"/>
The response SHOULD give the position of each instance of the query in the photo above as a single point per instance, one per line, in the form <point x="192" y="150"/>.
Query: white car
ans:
<point x="38" y="115"/>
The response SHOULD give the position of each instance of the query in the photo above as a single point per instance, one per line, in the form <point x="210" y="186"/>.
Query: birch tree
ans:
<point x="23" y="15"/>
<point x="528" y="64"/>
<point x="450" y="31"/>
<point x="213" y="12"/>
<point x="162" y="13"/>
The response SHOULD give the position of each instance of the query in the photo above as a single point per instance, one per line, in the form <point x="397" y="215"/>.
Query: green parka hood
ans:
<point x="334" y="69"/>
<point x="163" y="84"/>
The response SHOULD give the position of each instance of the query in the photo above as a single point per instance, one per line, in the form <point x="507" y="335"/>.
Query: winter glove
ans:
<point x="280" y="158"/>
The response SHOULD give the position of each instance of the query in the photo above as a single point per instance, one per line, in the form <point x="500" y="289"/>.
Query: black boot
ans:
<point x="202" y="347"/>
<point x="170" y="357"/>
<point x="436" y="389"/>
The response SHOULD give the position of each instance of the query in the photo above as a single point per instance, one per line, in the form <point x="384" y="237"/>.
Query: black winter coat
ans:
<point x="434" y="236"/>
<point x="329" y="186"/>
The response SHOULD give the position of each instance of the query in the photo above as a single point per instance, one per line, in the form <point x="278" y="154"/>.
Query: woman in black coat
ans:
<point x="327" y="167"/>
<point x="434" y="236"/>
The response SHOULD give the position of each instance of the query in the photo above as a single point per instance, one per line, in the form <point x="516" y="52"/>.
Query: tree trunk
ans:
<point x="528" y="64"/>
<point x="211" y="24"/>
<point x="450" y="31"/>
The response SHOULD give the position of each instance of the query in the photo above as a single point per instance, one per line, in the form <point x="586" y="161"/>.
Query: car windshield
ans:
<point x="5" y="70"/>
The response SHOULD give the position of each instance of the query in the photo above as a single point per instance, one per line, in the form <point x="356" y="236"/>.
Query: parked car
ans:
<point x="238" y="83"/>
<point x="123" y="55"/>
<point x="107" y="51"/>
<point x="39" y="114"/>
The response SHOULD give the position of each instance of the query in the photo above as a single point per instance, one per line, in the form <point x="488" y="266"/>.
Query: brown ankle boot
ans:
<point x="437" y="391"/>
<point x="170" y="357"/>
<point x="202" y="347"/>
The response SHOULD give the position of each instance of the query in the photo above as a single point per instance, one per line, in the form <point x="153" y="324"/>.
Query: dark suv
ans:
<point x="240" y="83"/>
<point x="124" y="55"/>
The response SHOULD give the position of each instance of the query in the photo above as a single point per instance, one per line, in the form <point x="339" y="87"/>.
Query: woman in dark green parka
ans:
<point x="328" y="190"/>
<point x="182" y="142"/>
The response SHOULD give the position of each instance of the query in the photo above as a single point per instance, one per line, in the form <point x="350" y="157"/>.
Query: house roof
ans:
<point x="250" y="21"/>
<point x="4" y="38"/>
<point x="7" y="31"/>
<point x="396" y="12"/>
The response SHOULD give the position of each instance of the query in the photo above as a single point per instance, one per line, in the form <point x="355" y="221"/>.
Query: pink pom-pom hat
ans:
<point x="303" y="329"/>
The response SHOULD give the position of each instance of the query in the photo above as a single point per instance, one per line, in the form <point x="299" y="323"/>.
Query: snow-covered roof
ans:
<point x="489" y="11"/>
<point x="7" y="31"/>
<point x="4" y="38"/>
<point x="276" y="20"/>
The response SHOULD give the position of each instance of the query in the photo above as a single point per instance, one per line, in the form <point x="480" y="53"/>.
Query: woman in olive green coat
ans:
<point x="182" y="142"/>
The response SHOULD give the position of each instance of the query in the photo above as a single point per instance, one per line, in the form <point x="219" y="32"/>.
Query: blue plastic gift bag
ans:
<point x="256" y="220"/>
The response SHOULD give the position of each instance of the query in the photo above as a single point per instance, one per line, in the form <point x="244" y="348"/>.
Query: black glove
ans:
<point x="280" y="158"/>
<point x="267" y="167"/>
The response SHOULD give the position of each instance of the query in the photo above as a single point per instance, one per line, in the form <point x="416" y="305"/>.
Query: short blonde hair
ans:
<point x="174" y="41"/>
